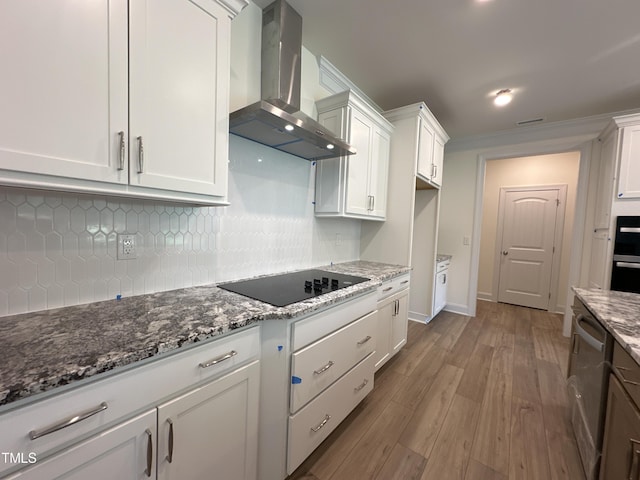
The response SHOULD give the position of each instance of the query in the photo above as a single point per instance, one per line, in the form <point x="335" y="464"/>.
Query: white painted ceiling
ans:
<point x="564" y="59"/>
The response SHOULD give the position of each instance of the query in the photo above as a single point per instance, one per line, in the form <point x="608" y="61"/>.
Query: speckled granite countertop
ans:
<point x="619" y="312"/>
<point x="43" y="350"/>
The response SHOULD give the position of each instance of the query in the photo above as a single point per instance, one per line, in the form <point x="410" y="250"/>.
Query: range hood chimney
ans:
<point x="276" y="120"/>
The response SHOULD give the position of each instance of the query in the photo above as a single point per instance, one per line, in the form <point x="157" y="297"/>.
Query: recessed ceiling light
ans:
<point x="503" y="97"/>
<point x="288" y="128"/>
<point x="330" y="146"/>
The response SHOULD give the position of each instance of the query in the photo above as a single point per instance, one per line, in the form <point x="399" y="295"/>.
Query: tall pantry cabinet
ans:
<point x="409" y="234"/>
<point x="618" y="191"/>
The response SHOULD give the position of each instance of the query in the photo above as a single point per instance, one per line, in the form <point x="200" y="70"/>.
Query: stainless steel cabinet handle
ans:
<point x="317" y="428"/>
<point x="406" y="281"/>
<point x="364" y="340"/>
<point x="170" y="452"/>
<point x="628" y="265"/>
<point x="621" y="371"/>
<point x="634" y="466"/>
<point x="444" y="279"/>
<point x="629" y="229"/>
<point x="122" y="151"/>
<point x="140" y="155"/>
<point x="373" y="202"/>
<point x="361" y="386"/>
<point x="67" y="422"/>
<point x="149" y="452"/>
<point x="435" y="170"/>
<point x="219" y="359"/>
<point x="324" y="369"/>
<point x="590" y="340"/>
<point x="387" y="289"/>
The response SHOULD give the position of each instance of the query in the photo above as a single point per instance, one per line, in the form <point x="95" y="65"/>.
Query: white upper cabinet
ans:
<point x="354" y="186"/>
<point x="629" y="181"/>
<point x="428" y="139"/>
<point x="63" y="88"/>
<point x="116" y="97"/>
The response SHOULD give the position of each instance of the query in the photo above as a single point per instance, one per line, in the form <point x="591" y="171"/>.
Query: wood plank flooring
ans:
<point x="479" y="398"/>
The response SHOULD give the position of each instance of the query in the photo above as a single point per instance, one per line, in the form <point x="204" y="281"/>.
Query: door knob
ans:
<point x="505" y="252"/>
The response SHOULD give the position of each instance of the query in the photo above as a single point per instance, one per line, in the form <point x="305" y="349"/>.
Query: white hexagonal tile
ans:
<point x="37" y="298"/>
<point x="78" y="219"/>
<point x="61" y="219"/>
<point x="28" y="274"/>
<point x="55" y="296"/>
<point x="8" y="216"/>
<point x="93" y="220"/>
<point x="106" y="221"/>
<point x="53" y="245"/>
<point x="4" y="303"/>
<point x="85" y="245"/>
<point x="18" y="300"/>
<point x="71" y="293"/>
<point x="53" y="200"/>
<point x="44" y="219"/>
<point x="132" y="222"/>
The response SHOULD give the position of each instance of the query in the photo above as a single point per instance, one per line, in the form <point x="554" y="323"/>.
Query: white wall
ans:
<point x="555" y="169"/>
<point x="59" y="249"/>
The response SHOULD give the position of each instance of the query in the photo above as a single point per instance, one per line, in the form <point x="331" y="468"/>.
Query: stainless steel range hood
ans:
<point x="276" y="120"/>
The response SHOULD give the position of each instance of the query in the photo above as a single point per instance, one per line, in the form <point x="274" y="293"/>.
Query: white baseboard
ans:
<point x="419" y="317"/>
<point x="486" y="296"/>
<point x="457" y="308"/>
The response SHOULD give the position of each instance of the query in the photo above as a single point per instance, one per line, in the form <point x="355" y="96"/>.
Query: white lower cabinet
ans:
<point x="440" y="287"/>
<point x="126" y="451"/>
<point x="200" y="416"/>
<point x="311" y="425"/>
<point x="212" y="430"/>
<point x="392" y="319"/>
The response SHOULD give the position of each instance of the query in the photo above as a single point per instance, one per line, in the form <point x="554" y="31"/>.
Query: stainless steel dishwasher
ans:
<point x="589" y="367"/>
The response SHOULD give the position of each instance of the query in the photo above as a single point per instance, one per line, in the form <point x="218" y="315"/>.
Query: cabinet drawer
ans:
<point x="311" y="425"/>
<point x="393" y="286"/>
<point x="628" y="372"/>
<point x="323" y="362"/>
<point x="124" y="394"/>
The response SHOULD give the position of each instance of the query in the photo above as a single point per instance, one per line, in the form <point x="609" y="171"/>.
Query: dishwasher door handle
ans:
<point x="591" y="341"/>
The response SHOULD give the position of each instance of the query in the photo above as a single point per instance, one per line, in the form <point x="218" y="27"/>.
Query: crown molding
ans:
<point x="590" y="126"/>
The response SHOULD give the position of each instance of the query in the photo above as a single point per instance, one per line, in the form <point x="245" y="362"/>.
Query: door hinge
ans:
<point x="553" y="249"/>
<point x="557" y="202"/>
<point x="549" y="295"/>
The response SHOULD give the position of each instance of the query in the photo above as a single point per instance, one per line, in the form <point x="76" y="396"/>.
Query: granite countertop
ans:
<point x="619" y="312"/>
<point x="47" y="349"/>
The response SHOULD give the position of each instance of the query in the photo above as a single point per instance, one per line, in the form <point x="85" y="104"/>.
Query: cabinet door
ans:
<point x="629" y="181"/>
<point x="126" y="451"/>
<point x="179" y="58"/>
<point x="63" y="88"/>
<point x="357" y="191"/>
<point x="330" y="172"/>
<point x="383" y="340"/>
<point x="379" y="173"/>
<point x="621" y="447"/>
<point x="399" y="323"/>
<point x="212" y="431"/>
<point x="600" y="267"/>
<point x="605" y="182"/>
<point x="438" y="161"/>
<point x="425" y="151"/>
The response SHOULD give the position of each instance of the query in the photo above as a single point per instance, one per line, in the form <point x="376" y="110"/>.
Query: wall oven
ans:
<point x="625" y="271"/>
<point x="589" y="368"/>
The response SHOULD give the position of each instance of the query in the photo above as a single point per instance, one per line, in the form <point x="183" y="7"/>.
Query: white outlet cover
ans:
<point x="126" y="247"/>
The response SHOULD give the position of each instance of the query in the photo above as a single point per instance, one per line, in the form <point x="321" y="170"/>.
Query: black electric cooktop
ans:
<point x="288" y="288"/>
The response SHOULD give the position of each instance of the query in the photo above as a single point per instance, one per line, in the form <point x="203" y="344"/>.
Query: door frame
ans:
<point x="557" y="239"/>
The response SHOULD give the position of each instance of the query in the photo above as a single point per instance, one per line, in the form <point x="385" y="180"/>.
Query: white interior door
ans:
<point x="527" y="246"/>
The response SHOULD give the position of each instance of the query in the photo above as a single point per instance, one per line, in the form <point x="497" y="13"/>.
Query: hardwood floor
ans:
<point x="480" y="398"/>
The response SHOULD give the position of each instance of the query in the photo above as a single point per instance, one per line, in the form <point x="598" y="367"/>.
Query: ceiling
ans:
<point x="564" y="59"/>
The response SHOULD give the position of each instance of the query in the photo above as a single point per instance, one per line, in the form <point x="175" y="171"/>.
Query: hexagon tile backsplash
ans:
<point x="59" y="249"/>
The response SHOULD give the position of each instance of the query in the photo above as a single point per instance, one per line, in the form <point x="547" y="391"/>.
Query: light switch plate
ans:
<point x="126" y="247"/>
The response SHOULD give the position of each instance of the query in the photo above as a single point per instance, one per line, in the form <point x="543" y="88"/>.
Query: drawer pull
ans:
<point x="149" y="452"/>
<point x="634" y="466"/>
<point x="621" y="371"/>
<point x="140" y="155"/>
<point x="387" y="289"/>
<point x="170" y="452"/>
<point x="404" y="282"/>
<point x="361" y="386"/>
<point x="324" y="369"/>
<point x="317" y="428"/>
<point x="364" y="340"/>
<point x="67" y="422"/>
<point x="219" y="359"/>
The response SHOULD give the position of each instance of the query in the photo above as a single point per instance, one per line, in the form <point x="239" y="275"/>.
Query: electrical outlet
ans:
<point x="126" y="247"/>
<point x="466" y="240"/>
